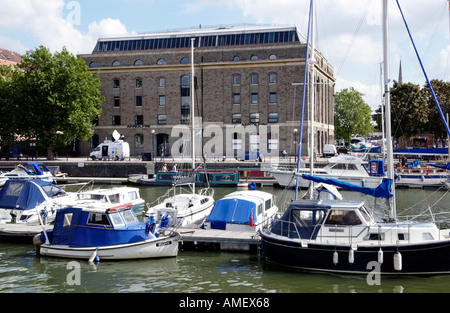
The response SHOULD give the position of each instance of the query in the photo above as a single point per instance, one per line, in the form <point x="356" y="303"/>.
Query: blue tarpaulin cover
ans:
<point x="25" y="194"/>
<point x="66" y="221"/>
<point x="236" y="211"/>
<point x="382" y="191"/>
<point x="445" y="167"/>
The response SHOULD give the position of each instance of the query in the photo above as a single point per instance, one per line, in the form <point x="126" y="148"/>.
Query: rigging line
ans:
<point x="425" y="74"/>
<point x="355" y="34"/>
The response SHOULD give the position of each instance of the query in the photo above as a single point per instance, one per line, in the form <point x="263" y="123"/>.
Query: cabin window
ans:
<point x="268" y="204"/>
<point x="259" y="209"/>
<point x="132" y="195"/>
<point x="403" y="237"/>
<point x="67" y="220"/>
<point x="114" y="198"/>
<point x="116" y="219"/>
<point x="129" y="217"/>
<point x="343" y="217"/>
<point x="98" y="219"/>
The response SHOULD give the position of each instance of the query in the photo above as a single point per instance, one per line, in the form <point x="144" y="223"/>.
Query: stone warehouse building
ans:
<point x="248" y="85"/>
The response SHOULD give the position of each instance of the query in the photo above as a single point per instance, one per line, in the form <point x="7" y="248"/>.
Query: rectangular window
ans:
<point x="116" y="83"/>
<point x="185" y="119"/>
<point x="272" y="97"/>
<point x="236" y="118"/>
<point x="116" y="120"/>
<point x="272" y="118"/>
<point x="138" y="101"/>
<point x="139" y="120"/>
<point x="162" y="82"/>
<point x="162" y="100"/>
<point x="254" y="98"/>
<point x="254" y="118"/>
<point x="162" y="119"/>
<point x="116" y="101"/>
<point x="236" y="98"/>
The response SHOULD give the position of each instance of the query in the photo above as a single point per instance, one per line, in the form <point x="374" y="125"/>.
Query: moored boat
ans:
<point x="244" y="210"/>
<point x="107" y="233"/>
<point x="29" y="170"/>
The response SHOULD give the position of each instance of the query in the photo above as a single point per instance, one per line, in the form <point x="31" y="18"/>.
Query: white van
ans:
<point x="329" y="150"/>
<point x="116" y="150"/>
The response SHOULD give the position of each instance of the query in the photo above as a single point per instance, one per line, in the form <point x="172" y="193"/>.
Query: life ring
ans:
<point x="303" y="157"/>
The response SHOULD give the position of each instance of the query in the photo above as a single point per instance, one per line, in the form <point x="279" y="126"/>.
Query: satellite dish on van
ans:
<point x="116" y="135"/>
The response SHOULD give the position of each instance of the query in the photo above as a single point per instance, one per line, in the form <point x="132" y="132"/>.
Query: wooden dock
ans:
<point x="219" y="239"/>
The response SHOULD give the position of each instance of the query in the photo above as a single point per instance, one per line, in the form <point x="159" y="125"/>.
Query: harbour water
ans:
<point x="21" y="271"/>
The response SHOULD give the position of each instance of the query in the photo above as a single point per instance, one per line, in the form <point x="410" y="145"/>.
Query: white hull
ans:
<point x="166" y="246"/>
<point x="286" y="179"/>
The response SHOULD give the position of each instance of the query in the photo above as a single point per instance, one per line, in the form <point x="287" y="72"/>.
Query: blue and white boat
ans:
<point x="105" y="233"/>
<point x="23" y="200"/>
<point x="29" y="170"/>
<point x="243" y="210"/>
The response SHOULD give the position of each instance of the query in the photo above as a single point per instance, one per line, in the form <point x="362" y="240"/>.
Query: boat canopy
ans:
<point x="24" y="194"/>
<point x="382" y="191"/>
<point x="66" y="221"/>
<point x="445" y="167"/>
<point x="238" y="211"/>
<point x="34" y="168"/>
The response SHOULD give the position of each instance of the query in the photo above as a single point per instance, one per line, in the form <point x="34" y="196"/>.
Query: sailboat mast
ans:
<point x="192" y="112"/>
<point x="311" y="62"/>
<point x="387" y="99"/>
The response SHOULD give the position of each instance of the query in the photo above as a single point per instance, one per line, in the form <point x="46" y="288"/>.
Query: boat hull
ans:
<point x="161" y="247"/>
<point x="415" y="258"/>
<point x="286" y="179"/>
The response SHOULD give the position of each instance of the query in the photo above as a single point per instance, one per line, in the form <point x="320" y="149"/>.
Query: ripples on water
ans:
<point x="200" y="271"/>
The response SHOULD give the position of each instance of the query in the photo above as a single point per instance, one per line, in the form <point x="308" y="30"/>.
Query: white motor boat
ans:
<point x="29" y="170"/>
<point x="243" y="210"/>
<point x="347" y="168"/>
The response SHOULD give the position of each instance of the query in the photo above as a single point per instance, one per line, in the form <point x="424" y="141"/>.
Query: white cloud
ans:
<point x="49" y="24"/>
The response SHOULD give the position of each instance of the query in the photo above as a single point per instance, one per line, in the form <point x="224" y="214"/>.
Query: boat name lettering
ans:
<point x="336" y="230"/>
<point x="165" y="243"/>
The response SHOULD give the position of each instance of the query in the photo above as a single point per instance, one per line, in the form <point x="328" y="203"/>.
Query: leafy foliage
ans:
<point x="351" y="114"/>
<point x="55" y="99"/>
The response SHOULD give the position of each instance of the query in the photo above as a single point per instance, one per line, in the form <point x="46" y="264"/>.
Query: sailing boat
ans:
<point x="180" y="207"/>
<point x="343" y="237"/>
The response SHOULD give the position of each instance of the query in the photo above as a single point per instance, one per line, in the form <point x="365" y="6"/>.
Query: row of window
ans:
<point x="236" y="80"/>
<point x="235" y="119"/>
<point x="214" y="40"/>
<point x="162" y="61"/>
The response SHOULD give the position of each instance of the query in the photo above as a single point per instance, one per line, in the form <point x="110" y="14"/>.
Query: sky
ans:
<point x="348" y="32"/>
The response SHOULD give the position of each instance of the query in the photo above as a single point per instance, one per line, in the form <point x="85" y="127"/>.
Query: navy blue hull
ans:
<point x="430" y="258"/>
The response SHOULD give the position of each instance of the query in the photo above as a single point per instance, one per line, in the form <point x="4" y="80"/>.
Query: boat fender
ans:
<point x="37" y="242"/>
<point x="94" y="256"/>
<point x="335" y="257"/>
<point x="397" y="261"/>
<point x="380" y="256"/>
<point x="44" y="214"/>
<point x="351" y="256"/>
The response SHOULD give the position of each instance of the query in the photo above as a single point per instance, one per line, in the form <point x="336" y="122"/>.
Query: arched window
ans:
<point x="116" y="63"/>
<point x="254" y="58"/>
<point x="236" y="79"/>
<point x="254" y="79"/>
<point x="93" y="64"/>
<point x="184" y="61"/>
<point x="236" y="58"/>
<point x="161" y="62"/>
<point x="138" y="62"/>
<point x="272" y="57"/>
<point x="138" y="82"/>
<point x="272" y="78"/>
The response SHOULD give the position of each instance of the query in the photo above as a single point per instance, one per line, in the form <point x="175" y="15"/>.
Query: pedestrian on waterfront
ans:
<point x="174" y="168"/>
<point x="284" y="153"/>
<point x="164" y="168"/>
<point x="404" y="160"/>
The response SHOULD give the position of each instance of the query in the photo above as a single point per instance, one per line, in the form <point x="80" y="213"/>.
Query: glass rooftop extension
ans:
<point x="217" y="37"/>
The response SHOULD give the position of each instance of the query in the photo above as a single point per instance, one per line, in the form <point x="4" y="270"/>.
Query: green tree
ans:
<point x="442" y="91"/>
<point x="56" y="96"/>
<point x="351" y="114"/>
<point x="409" y="112"/>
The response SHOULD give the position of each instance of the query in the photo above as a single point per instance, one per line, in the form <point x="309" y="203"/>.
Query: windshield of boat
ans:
<point x="120" y="218"/>
<point x="88" y="196"/>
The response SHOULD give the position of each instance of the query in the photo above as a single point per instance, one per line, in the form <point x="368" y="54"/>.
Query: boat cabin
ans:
<point x="113" y="196"/>
<point x="347" y="223"/>
<point x="91" y="227"/>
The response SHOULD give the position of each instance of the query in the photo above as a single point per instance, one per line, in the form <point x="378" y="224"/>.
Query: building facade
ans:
<point x="248" y="91"/>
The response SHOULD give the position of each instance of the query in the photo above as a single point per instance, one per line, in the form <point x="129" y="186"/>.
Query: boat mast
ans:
<point x="311" y="62"/>
<point x="387" y="99"/>
<point x="192" y="113"/>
